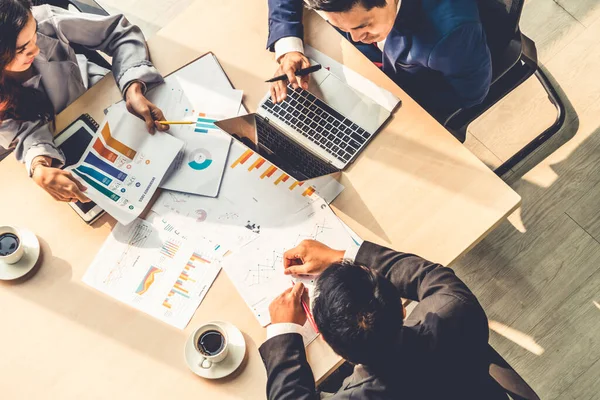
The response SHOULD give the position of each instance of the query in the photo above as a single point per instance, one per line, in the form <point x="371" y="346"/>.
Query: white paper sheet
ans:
<point x="124" y="164"/>
<point x="198" y="168"/>
<point x="381" y="96"/>
<point x="156" y="269"/>
<point x="257" y="269"/>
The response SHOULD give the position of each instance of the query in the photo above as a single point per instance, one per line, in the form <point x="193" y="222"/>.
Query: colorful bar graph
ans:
<point x="103" y="151"/>
<point x="309" y="191"/>
<point x="92" y="159"/>
<point x="268" y="172"/>
<point x="197" y="257"/>
<point x="95" y="185"/>
<point x="115" y="144"/>
<point x="282" y="178"/>
<point x="169" y="249"/>
<point x="201" y="130"/>
<point x="100" y="177"/>
<point x="205" y="125"/>
<point x="257" y="164"/>
<point x="243" y="158"/>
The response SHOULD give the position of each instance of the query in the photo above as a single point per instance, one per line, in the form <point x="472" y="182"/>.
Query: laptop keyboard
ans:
<point x="302" y="162"/>
<point x="315" y="120"/>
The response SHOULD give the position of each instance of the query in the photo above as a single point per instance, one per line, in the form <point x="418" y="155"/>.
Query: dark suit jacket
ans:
<point x="436" y="51"/>
<point x="440" y="353"/>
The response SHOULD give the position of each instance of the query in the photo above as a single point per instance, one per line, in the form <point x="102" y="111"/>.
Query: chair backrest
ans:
<point x="508" y="379"/>
<point x="500" y="20"/>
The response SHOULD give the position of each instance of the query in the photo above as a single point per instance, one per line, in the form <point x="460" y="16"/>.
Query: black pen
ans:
<point x="300" y="72"/>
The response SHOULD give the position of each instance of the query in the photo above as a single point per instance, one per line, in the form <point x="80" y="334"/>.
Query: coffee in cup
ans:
<point x="11" y="248"/>
<point x="211" y="342"/>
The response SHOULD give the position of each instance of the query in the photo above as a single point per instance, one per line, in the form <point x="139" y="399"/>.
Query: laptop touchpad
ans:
<point x="361" y="109"/>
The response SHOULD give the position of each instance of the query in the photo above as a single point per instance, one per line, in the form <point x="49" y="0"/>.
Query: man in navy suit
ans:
<point x="435" y="50"/>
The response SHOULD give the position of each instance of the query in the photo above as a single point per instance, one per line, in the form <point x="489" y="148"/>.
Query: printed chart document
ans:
<point x="189" y="95"/>
<point x="254" y="194"/>
<point x="257" y="269"/>
<point x="155" y="268"/>
<point x="124" y="164"/>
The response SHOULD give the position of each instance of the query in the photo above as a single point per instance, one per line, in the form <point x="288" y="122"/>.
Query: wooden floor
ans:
<point x="537" y="275"/>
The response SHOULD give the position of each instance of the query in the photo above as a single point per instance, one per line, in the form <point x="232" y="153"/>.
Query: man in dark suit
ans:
<point x="435" y="50"/>
<point x="438" y="352"/>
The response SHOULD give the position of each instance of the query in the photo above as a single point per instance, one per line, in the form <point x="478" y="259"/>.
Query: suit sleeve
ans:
<point x="464" y="60"/>
<point x="285" y="20"/>
<point x="288" y="373"/>
<point x="454" y="312"/>
<point x="113" y="35"/>
<point x="415" y="277"/>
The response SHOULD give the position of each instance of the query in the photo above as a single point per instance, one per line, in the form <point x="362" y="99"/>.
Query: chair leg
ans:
<point x="544" y="136"/>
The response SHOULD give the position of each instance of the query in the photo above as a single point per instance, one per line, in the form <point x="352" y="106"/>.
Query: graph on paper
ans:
<point x="156" y="269"/>
<point x="257" y="269"/>
<point x="123" y="165"/>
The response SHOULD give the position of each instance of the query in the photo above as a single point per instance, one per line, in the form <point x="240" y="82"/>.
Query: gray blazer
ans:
<point x="59" y="72"/>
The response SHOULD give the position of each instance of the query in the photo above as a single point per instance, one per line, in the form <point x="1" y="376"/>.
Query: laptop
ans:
<point x="314" y="132"/>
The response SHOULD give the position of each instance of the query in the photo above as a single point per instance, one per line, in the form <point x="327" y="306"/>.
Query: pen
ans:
<point x="176" y="122"/>
<point x="300" y="72"/>
<point x="308" y="313"/>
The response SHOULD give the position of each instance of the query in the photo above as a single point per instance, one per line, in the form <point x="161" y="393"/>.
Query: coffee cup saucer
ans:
<point x="31" y="247"/>
<point x="237" y="351"/>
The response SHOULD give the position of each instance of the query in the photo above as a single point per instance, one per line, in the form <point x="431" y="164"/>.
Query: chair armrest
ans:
<point x="88" y="6"/>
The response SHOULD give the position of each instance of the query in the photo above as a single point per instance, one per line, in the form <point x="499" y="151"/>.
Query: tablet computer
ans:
<point x="73" y="141"/>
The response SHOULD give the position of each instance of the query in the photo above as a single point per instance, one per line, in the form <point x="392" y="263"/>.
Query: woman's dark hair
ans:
<point x="358" y="312"/>
<point x="343" y="5"/>
<point x="16" y="101"/>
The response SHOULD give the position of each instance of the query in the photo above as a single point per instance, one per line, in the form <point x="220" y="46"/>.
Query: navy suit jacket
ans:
<point x="436" y="51"/>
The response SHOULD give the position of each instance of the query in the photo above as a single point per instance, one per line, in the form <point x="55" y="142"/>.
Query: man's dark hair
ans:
<point x="358" y="312"/>
<point x="343" y="5"/>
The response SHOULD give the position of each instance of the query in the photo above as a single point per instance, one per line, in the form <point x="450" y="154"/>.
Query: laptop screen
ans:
<point x="266" y="139"/>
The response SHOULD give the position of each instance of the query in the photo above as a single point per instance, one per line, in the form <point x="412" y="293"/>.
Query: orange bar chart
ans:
<point x="117" y="145"/>
<point x="309" y="191"/>
<point x="296" y="184"/>
<point x="257" y="164"/>
<point x="268" y="172"/>
<point x="282" y="178"/>
<point x="103" y="151"/>
<point x="243" y="158"/>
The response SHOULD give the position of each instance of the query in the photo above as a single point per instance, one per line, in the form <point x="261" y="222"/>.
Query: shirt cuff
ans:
<point x="351" y="252"/>
<point x="144" y="72"/>
<point x="282" y="328"/>
<point x="44" y="149"/>
<point x="287" y="45"/>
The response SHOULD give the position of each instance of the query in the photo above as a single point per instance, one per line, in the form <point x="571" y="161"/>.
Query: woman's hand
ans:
<point x="138" y="105"/>
<point x="59" y="184"/>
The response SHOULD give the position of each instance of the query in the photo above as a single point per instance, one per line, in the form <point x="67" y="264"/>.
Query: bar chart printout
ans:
<point x="154" y="268"/>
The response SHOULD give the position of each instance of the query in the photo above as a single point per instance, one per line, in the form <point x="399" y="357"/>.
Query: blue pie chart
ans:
<point x="200" y="159"/>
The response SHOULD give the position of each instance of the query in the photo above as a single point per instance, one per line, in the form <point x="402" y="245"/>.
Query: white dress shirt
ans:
<point x="289" y="327"/>
<point x="291" y="43"/>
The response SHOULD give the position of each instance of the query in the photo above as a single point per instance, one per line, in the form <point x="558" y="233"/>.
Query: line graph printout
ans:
<point x="257" y="269"/>
<point x="155" y="268"/>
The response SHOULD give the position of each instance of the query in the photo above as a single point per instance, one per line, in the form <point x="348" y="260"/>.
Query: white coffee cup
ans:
<point x="18" y="253"/>
<point x="208" y="358"/>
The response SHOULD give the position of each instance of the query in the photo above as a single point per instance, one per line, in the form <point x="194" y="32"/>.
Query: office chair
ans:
<point x="514" y="60"/>
<point x="507" y="379"/>
<point x="86" y="6"/>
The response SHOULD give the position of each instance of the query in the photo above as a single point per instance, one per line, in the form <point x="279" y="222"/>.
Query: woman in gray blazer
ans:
<point x="40" y="75"/>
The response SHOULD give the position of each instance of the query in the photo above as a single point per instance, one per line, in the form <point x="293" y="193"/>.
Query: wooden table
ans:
<point x="415" y="188"/>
